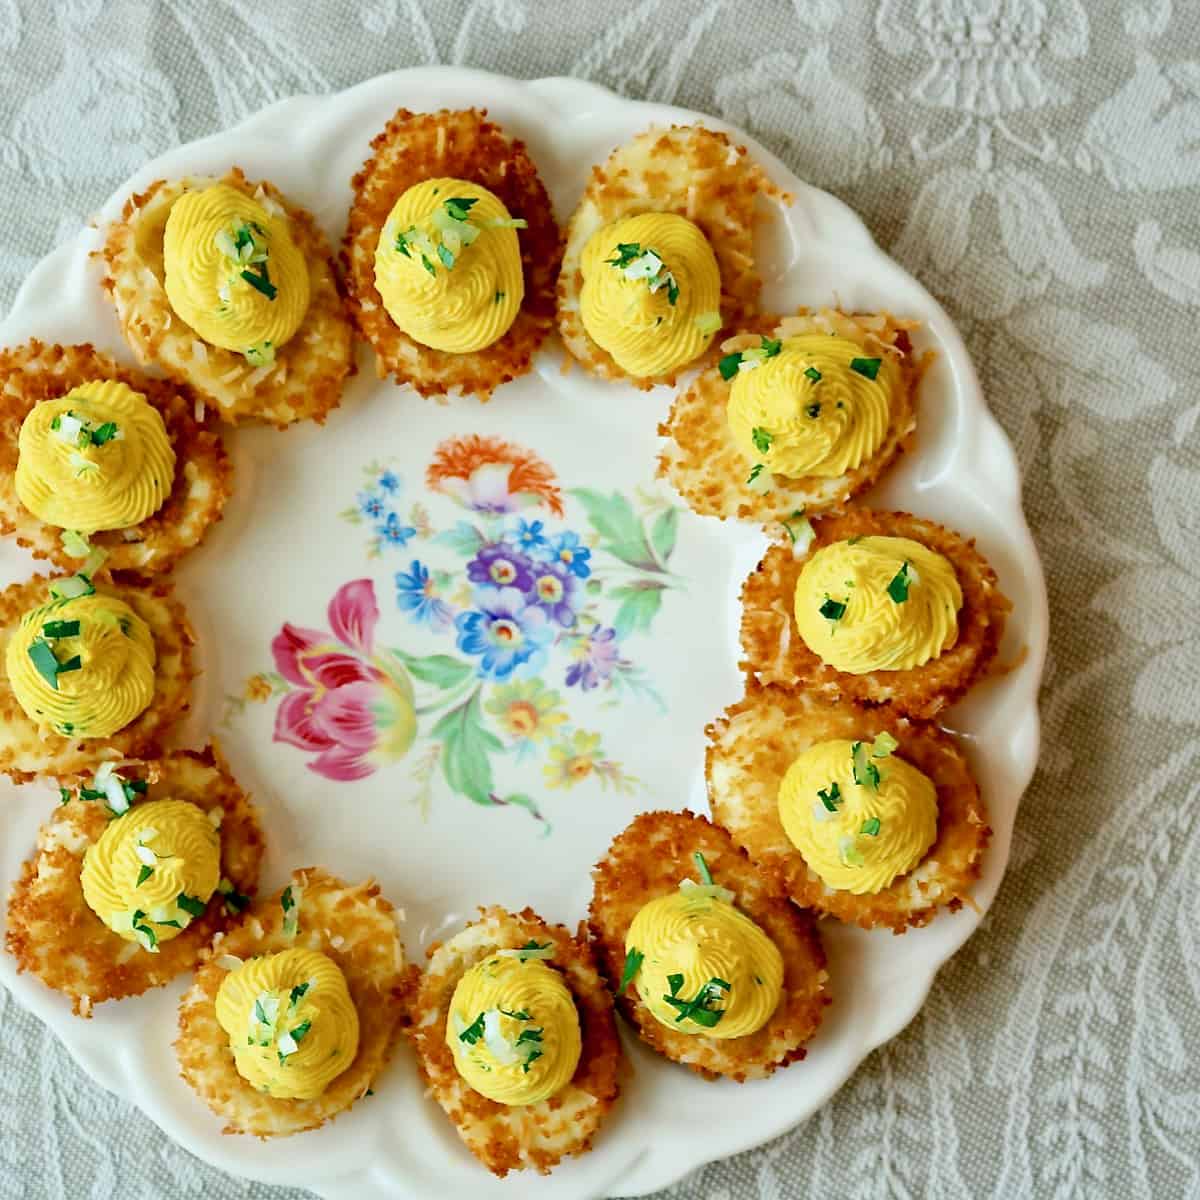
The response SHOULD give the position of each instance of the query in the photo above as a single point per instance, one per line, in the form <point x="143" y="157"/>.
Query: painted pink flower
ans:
<point x="353" y="711"/>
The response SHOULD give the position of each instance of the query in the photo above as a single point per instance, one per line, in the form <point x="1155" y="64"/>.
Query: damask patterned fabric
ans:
<point x="1037" y="164"/>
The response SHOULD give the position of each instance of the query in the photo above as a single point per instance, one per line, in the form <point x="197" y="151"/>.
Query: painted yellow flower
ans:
<point x="528" y="711"/>
<point x="258" y="689"/>
<point x="572" y="761"/>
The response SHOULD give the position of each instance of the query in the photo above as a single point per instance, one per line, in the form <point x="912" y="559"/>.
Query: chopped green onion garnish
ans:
<point x="800" y="530"/>
<point x="898" y="588"/>
<point x="60" y="629"/>
<point x="75" y="544"/>
<point x="260" y="281"/>
<point x="428" y="265"/>
<point x="498" y="297"/>
<point x="760" y="479"/>
<point x="707" y="322"/>
<point x="72" y="664"/>
<point x="883" y="745"/>
<point x="473" y="1032"/>
<point x="702" y="867"/>
<point x="459" y="206"/>
<point x="866" y="773"/>
<point x="832" y="610"/>
<point x="262" y="355"/>
<point x="633" y="964"/>
<point x="849" y="853"/>
<point x="64" y="795"/>
<point x="813" y="374"/>
<point x="868" y="367"/>
<point x="192" y="905"/>
<point x="831" y="797"/>
<point x="43" y="659"/>
<point x="700" y="1009"/>
<point x="761" y="438"/>
<point x="143" y="875"/>
<point x="728" y="366"/>
<point x="871" y="827"/>
<point x="105" y="433"/>
<point x="813" y="410"/>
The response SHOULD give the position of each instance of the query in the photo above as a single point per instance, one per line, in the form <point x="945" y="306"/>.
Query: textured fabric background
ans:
<point x="1037" y="164"/>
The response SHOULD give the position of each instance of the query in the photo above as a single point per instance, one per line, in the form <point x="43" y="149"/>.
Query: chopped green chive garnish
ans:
<point x="64" y="795"/>
<point x="498" y="297"/>
<point x="633" y="964"/>
<point x="745" y="360"/>
<point x="813" y="374"/>
<point x="402" y="245"/>
<point x="755" y="472"/>
<point x="866" y="773"/>
<point x="43" y="659"/>
<point x="300" y="1030"/>
<point x="898" y="588"/>
<point x="72" y="664"/>
<point x="761" y="438"/>
<point x="459" y="206"/>
<point x="868" y="367"/>
<point x="143" y="875"/>
<point x="87" y="793"/>
<point x="192" y="905"/>
<point x="517" y="1015"/>
<point x="105" y="433"/>
<point x="260" y="281"/>
<point x="831" y="797"/>
<point x="702" y="866"/>
<point x="444" y="254"/>
<point x="60" y="629"/>
<point x="473" y="1032"/>
<point x="871" y="827"/>
<point x="832" y="610"/>
<point x="297" y="992"/>
<point x="428" y="265"/>
<point x="849" y="852"/>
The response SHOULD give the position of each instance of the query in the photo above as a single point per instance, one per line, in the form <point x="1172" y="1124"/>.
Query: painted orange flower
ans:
<point x="491" y="475"/>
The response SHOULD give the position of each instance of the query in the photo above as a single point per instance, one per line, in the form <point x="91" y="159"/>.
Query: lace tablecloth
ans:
<point x="1036" y="163"/>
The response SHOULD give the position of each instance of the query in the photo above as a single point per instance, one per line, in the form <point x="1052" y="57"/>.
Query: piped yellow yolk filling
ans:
<point x="233" y="272"/>
<point x="651" y="292"/>
<point x="82" y="667"/>
<point x="448" y="265"/>
<point x="97" y="458"/>
<point x="860" y="816"/>
<point x="291" y="1022"/>
<point x="701" y="966"/>
<point x="877" y="604"/>
<point x="817" y="407"/>
<point x="152" y="871"/>
<point x="514" y="1030"/>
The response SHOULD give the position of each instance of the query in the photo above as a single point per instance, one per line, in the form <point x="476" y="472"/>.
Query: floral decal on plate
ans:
<point x="535" y="616"/>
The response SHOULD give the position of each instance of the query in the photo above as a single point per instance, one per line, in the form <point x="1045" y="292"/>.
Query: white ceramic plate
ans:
<point x="283" y="551"/>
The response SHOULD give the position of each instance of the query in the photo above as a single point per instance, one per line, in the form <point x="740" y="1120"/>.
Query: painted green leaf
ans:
<point x="621" y="533"/>
<point x="441" y="670"/>
<point x="464" y="539"/>
<point x="466" y="745"/>
<point x="663" y="533"/>
<point x="640" y="603"/>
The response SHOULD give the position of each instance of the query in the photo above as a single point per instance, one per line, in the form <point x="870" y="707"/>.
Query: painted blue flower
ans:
<point x="392" y="533"/>
<point x="530" y="537"/>
<point x="566" y="548"/>
<point x="506" y="632"/>
<point x="390" y="482"/>
<point x="553" y="591"/>
<point x="500" y="565"/>
<point x="370" y="505"/>
<point x="416" y="594"/>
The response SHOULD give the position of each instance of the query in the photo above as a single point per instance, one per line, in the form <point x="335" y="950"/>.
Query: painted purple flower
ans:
<point x="417" y="595"/>
<point x="505" y="631"/>
<point x="553" y="590"/>
<point x="596" y="656"/>
<point x="567" y="549"/>
<point x="500" y="565"/>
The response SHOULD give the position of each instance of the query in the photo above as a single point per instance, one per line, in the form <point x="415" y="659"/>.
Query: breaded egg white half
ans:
<point x="35" y="372"/>
<point x="306" y="379"/>
<point x="536" y="1136"/>
<point x="459" y="145"/>
<point x="695" y="173"/>
<point x="649" y="859"/>
<point x="53" y="934"/>
<point x="26" y="751"/>
<point x="708" y="468"/>
<point x="750" y="749"/>
<point x="774" y="652"/>
<point x="355" y="927"/>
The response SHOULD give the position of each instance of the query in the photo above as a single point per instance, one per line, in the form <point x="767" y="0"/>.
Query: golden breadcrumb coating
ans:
<point x="306" y="379"/>
<point x="750" y="749"/>
<point x="353" y="925"/>
<point x="52" y="932"/>
<point x="506" y="1138"/>
<point x="709" y="469"/>
<point x="35" y="372"/>
<point x="775" y="653"/>
<point x="695" y="173"/>
<point x="649" y="859"/>
<point x="27" y="751"/>
<point x="459" y="145"/>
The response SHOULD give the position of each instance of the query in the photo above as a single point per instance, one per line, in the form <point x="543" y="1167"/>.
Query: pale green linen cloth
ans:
<point x="1036" y="163"/>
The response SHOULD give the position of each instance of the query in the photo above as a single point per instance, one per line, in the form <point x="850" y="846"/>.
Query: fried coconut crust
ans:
<point x="27" y="751"/>
<point x="539" y="1135"/>
<point x="708" y="468"/>
<point x="305" y="381"/>
<point x="750" y="749"/>
<point x="649" y="859"/>
<point x="356" y="927"/>
<point x="460" y="145"/>
<point x="696" y="173"/>
<point x="36" y="372"/>
<point x="55" y="935"/>
<point x="775" y="653"/>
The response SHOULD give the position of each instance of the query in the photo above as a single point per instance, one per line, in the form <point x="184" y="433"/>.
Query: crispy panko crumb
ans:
<point x="775" y="653"/>
<point x="459" y="145"/>
<point x="27" y="751"/>
<point x="750" y="749"/>
<point x="506" y="1138"/>
<point x="356" y="927"/>
<point x="696" y="173"/>
<point x="35" y="372"/>
<point x="649" y="859"/>
<point x="52" y="932"/>
<point x="306" y="379"/>
<point x="709" y="469"/>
